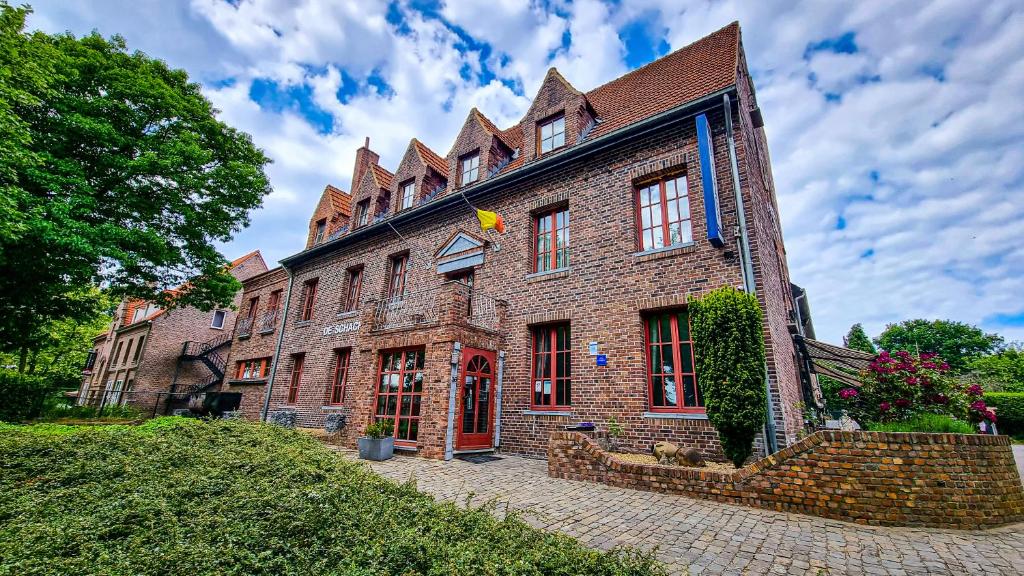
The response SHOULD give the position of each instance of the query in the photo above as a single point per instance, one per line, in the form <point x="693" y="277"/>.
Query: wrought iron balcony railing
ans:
<point x="268" y="321"/>
<point x="407" y="310"/>
<point x="244" y="327"/>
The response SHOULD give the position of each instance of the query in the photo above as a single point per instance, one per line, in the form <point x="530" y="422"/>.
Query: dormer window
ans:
<point x="408" y="194"/>
<point x="321" y="229"/>
<point x="469" y="168"/>
<point x="551" y="135"/>
<point x="363" y="212"/>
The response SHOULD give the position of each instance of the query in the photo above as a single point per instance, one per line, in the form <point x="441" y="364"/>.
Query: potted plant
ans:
<point x="378" y="443"/>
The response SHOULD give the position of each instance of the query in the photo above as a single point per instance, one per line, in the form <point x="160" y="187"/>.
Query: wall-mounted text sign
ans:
<point x="341" y="328"/>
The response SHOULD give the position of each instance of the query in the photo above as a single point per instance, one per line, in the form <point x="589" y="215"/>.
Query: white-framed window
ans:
<point x="551" y="135"/>
<point x="218" y="319"/>
<point x="469" y="168"/>
<point x="408" y="194"/>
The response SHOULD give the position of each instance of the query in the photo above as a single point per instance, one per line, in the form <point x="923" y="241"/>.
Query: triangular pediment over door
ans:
<point x="461" y="251"/>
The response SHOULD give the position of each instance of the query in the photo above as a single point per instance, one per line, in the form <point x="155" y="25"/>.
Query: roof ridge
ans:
<point x="734" y="24"/>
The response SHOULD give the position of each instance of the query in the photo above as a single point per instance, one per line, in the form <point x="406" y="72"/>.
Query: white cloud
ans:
<point x="928" y="103"/>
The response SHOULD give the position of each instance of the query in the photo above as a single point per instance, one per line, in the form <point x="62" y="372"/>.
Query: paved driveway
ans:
<point x="1018" y="455"/>
<point x="701" y="537"/>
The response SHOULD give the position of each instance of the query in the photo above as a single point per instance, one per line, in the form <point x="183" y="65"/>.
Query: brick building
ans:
<point x="149" y="353"/>
<point x="619" y="204"/>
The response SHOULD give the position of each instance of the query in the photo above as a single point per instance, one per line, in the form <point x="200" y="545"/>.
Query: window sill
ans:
<point x="247" y="381"/>
<point x="303" y="323"/>
<point x="348" y="314"/>
<point x="673" y="250"/>
<point x="549" y="274"/>
<point x="547" y="412"/>
<point x="676" y="415"/>
<point x="333" y="407"/>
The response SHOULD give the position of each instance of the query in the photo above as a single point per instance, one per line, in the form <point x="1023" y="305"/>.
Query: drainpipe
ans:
<point x="749" y="284"/>
<point x="277" y="348"/>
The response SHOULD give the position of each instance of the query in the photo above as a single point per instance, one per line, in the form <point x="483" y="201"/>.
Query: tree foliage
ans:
<point x="1001" y="372"/>
<point x="956" y="342"/>
<point x="857" y="339"/>
<point x="114" y="170"/>
<point x="730" y="357"/>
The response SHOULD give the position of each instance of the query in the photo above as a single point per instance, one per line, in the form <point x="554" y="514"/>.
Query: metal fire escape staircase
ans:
<point x="211" y="354"/>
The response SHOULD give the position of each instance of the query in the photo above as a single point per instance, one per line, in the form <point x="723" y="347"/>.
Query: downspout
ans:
<point x="277" y="348"/>
<point x="749" y="284"/>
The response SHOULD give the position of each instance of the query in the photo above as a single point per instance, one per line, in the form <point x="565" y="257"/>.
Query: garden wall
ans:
<point x="879" y="478"/>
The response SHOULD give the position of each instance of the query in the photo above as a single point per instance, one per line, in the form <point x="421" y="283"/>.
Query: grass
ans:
<point x="925" y="423"/>
<point x="181" y="496"/>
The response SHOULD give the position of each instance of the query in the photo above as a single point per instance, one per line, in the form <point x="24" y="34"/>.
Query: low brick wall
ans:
<point x="879" y="478"/>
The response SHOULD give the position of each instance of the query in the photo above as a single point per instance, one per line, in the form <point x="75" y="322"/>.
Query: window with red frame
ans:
<point x="298" y="362"/>
<point x="254" y="303"/>
<point x="336" y="391"/>
<point x="308" y="298"/>
<point x="399" y="392"/>
<point x="396" y="281"/>
<point x="671" y="375"/>
<point x="551" y="240"/>
<point x="664" y="212"/>
<point x="253" y="369"/>
<point x="355" y="284"/>
<point x="552" y="367"/>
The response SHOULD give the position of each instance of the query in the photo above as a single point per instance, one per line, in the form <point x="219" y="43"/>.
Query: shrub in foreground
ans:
<point x="22" y="396"/>
<point x="936" y="423"/>
<point x="179" y="496"/>
<point x="1010" y="410"/>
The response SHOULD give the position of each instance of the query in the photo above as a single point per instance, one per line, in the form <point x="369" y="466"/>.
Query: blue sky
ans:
<point x="892" y="127"/>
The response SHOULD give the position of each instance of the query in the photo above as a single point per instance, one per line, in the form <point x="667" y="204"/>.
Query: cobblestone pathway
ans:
<point x="701" y="537"/>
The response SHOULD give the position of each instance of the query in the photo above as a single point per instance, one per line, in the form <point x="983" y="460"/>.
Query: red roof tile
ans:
<point x="381" y="176"/>
<point x="340" y="200"/>
<point x="693" y="71"/>
<point x="431" y="158"/>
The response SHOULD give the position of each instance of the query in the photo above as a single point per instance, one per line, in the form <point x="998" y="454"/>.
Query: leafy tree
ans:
<point x="957" y="343"/>
<point x="857" y="339"/>
<point x="113" y="170"/>
<point x="1002" y="372"/>
<point x="730" y="356"/>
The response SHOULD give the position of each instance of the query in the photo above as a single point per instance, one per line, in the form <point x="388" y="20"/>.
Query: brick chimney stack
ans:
<point x="364" y="158"/>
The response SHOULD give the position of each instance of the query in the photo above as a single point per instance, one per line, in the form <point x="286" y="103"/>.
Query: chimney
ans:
<point x="364" y="158"/>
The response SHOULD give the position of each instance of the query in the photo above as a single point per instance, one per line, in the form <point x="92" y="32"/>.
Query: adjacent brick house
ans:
<point x="139" y="360"/>
<point x="619" y="203"/>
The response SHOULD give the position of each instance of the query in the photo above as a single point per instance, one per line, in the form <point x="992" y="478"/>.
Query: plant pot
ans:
<point x="580" y="427"/>
<point x="376" y="449"/>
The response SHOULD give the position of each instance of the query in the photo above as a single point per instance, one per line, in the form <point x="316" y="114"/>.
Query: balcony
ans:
<point x="453" y="303"/>
<point x="244" y="327"/>
<point x="268" y="321"/>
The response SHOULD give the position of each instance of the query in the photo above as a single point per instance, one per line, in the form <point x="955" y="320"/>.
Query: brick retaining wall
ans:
<point x="879" y="478"/>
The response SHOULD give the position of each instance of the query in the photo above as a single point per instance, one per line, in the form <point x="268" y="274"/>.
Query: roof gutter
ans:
<point x="545" y="165"/>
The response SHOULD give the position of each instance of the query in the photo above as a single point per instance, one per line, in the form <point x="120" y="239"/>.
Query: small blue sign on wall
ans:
<point x="602" y="359"/>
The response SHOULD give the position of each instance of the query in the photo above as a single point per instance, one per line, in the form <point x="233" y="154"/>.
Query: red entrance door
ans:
<point x="475" y="422"/>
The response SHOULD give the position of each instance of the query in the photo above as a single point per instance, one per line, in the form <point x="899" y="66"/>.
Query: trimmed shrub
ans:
<point x="182" y="496"/>
<point x="22" y="396"/>
<point x="729" y="349"/>
<point x="1009" y="411"/>
<point x="936" y="423"/>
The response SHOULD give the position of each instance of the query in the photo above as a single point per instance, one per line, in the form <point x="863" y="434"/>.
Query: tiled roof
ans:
<point x="381" y="176"/>
<point x="238" y="261"/>
<point x="340" y="201"/>
<point x="693" y="71"/>
<point x="502" y="135"/>
<point x="431" y="158"/>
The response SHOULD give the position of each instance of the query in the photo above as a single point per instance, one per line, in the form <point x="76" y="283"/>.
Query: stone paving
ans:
<point x="701" y="537"/>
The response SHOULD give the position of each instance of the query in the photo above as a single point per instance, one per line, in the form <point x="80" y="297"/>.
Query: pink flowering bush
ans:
<point x="897" y="387"/>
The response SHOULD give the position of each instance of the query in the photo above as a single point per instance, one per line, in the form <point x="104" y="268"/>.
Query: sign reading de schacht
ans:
<point x="341" y="328"/>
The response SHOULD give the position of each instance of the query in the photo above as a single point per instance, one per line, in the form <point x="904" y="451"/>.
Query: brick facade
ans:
<point x="147" y="374"/>
<point x="604" y="294"/>
<point x="879" y="478"/>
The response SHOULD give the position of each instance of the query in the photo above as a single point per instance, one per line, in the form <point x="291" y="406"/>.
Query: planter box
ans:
<point x="376" y="449"/>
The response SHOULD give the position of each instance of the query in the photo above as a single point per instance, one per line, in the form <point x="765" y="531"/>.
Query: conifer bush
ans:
<point x="730" y="358"/>
<point x="183" y="496"/>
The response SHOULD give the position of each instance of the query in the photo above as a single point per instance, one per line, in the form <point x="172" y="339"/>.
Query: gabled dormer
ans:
<point x="421" y="176"/>
<point x="559" y="117"/>
<point x="480" y="151"/>
<point x="331" y="214"/>
<point x="371" y="197"/>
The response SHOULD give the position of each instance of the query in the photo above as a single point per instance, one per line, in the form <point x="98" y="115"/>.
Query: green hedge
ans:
<point x="1009" y="411"/>
<point x="21" y="396"/>
<point x="182" y="496"/>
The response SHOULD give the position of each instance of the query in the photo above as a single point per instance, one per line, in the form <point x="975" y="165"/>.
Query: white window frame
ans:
<point x="223" y="319"/>
<point x="551" y="140"/>
<point x="408" y="195"/>
<point x="469" y="166"/>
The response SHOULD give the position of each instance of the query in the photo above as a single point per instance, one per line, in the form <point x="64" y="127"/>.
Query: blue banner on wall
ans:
<point x="712" y="211"/>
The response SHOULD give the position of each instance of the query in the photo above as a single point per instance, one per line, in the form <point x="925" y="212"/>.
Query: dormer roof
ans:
<point x="430" y="158"/>
<point x="381" y="177"/>
<point x="340" y="201"/>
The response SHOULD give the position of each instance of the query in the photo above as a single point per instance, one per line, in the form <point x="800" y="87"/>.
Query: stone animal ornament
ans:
<point x="669" y="453"/>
